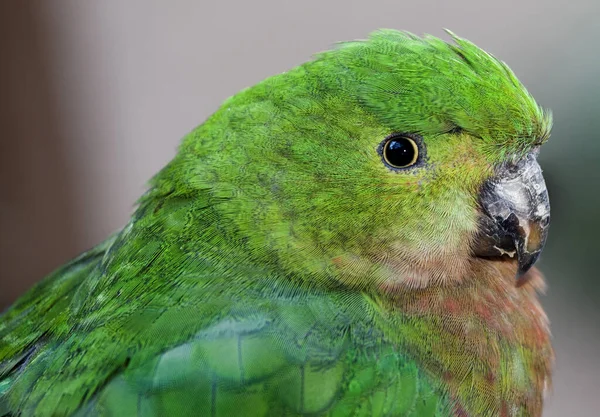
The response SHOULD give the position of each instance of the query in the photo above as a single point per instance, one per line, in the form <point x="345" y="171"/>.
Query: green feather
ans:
<point x="270" y="269"/>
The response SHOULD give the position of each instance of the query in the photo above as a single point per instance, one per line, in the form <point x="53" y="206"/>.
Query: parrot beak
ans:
<point x="515" y="214"/>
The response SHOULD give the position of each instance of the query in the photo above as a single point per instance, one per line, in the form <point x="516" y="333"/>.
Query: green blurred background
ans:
<point x="94" y="97"/>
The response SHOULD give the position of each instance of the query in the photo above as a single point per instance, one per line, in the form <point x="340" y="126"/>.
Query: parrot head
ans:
<point x="394" y="161"/>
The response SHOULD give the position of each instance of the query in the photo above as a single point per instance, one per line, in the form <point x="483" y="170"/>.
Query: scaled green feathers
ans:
<point x="279" y="265"/>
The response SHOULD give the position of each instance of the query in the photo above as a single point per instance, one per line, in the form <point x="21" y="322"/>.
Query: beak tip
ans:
<point x="526" y="261"/>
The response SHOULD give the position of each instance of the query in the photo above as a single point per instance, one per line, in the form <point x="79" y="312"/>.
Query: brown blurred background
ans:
<point x="94" y="97"/>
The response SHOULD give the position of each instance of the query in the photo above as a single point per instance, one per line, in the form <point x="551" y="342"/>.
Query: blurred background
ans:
<point x="94" y="97"/>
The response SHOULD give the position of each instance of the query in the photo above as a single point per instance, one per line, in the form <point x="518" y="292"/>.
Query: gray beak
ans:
<point x="515" y="213"/>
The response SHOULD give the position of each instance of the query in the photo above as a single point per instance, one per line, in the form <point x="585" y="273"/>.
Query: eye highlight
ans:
<point x="400" y="150"/>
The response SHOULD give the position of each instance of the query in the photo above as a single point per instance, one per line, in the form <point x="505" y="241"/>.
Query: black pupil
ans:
<point x="400" y="152"/>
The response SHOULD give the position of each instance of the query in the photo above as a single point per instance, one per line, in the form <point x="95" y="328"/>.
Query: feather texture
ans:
<point x="276" y="266"/>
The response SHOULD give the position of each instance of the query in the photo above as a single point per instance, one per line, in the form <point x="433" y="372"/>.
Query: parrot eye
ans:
<point x="400" y="150"/>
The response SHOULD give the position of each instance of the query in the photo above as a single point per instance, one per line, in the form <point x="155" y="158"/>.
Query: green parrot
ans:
<point x="353" y="237"/>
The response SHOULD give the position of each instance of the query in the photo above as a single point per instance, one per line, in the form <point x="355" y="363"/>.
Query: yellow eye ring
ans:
<point x="400" y="151"/>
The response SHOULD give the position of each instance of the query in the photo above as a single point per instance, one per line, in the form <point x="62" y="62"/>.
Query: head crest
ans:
<point x="430" y="86"/>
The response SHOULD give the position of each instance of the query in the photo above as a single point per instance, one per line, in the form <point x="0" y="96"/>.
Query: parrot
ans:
<point x="355" y="236"/>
